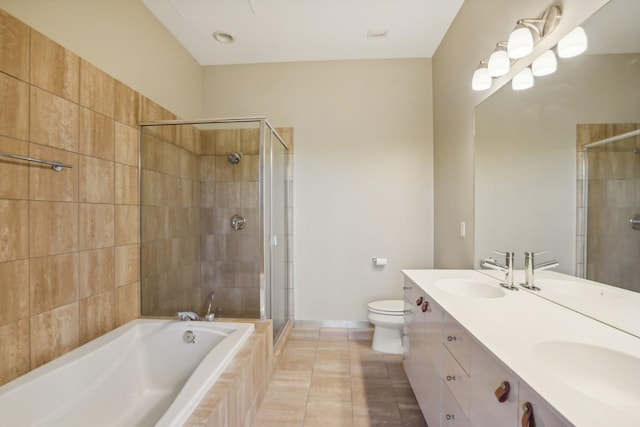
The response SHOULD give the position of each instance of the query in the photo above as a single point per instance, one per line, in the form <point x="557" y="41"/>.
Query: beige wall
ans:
<point x="363" y="171"/>
<point x="477" y="28"/>
<point x="122" y="38"/>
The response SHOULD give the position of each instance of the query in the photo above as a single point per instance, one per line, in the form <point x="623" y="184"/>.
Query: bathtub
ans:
<point x="146" y="373"/>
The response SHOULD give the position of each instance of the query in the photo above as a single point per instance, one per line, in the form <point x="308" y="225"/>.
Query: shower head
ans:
<point x="234" y="158"/>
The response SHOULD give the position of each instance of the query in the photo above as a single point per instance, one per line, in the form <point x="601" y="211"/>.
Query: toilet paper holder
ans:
<point x="379" y="262"/>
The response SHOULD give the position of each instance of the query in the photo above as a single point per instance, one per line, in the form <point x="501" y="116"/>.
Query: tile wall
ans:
<point x="69" y="241"/>
<point x="614" y="197"/>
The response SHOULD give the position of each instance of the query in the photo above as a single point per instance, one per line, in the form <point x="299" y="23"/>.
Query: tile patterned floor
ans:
<point x="332" y="377"/>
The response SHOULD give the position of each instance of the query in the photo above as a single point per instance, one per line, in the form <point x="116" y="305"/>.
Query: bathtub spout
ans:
<point x="187" y="315"/>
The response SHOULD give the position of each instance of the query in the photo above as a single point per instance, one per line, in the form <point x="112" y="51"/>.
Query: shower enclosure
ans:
<point x="215" y="224"/>
<point x="610" y="223"/>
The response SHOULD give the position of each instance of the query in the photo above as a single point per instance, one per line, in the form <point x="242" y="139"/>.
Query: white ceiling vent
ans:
<point x="377" y="34"/>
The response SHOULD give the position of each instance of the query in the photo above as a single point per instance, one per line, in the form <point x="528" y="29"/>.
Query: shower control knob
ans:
<point x="238" y="222"/>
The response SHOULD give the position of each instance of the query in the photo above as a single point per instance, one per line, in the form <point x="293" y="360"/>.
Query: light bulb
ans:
<point x="545" y="64"/>
<point x="481" y="79"/>
<point x="520" y="43"/>
<point x="499" y="63"/>
<point x="572" y="44"/>
<point x="523" y="80"/>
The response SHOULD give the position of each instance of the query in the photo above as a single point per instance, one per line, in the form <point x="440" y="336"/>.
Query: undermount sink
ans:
<point x="575" y="289"/>
<point x="469" y="288"/>
<point x="606" y="375"/>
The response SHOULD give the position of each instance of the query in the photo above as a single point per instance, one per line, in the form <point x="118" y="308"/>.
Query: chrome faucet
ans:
<point x="507" y="267"/>
<point x="187" y="315"/>
<point x="530" y="268"/>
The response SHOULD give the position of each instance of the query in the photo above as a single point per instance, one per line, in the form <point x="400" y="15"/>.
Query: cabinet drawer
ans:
<point x="452" y="415"/>
<point x="457" y="341"/>
<point x="456" y="380"/>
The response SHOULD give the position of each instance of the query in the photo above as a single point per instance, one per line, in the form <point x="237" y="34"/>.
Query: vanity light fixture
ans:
<point x="523" y="80"/>
<point x="529" y="31"/>
<point x="545" y="64"/>
<point x="499" y="62"/>
<point x="481" y="79"/>
<point x="573" y="44"/>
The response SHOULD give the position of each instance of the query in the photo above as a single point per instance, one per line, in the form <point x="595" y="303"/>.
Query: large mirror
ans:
<point x="527" y="168"/>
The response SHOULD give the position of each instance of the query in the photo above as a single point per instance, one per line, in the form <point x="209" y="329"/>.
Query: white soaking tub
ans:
<point x="144" y="373"/>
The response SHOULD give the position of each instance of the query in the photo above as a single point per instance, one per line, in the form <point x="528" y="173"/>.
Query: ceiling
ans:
<point x="306" y="30"/>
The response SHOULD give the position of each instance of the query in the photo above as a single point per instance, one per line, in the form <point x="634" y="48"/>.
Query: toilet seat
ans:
<point x="387" y="307"/>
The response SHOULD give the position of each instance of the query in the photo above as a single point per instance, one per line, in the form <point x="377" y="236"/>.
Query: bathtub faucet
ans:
<point x="187" y="315"/>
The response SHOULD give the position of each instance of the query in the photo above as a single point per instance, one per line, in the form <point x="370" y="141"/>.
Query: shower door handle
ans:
<point x="635" y="222"/>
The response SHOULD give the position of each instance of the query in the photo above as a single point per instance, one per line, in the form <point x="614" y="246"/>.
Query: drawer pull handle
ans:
<point x="502" y="392"/>
<point x="407" y="288"/>
<point x="527" y="415"/>
<point x="450" y="417"/>
<point x="425" y="307"/>
<point x="419" y="301"/>
<point x="451" y="377"/>
<point x="451" y="338"/>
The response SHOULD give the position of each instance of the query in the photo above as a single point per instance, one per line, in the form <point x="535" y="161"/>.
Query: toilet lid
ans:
<point x="390" y="306"/>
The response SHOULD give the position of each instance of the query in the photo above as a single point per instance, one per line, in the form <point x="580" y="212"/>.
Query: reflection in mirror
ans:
<point x="528" y="173"/>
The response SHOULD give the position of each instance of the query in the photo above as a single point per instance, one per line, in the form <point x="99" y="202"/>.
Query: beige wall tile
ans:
<point x="14" y="350"/>
<point x="97" y="316"/>
<point x="207" y="143"/>
<point x="14" y="114"/>
<point x="14" y="174"/>
<point x="127" y="264"/>
<point x="53" y="281"/>
<point x="250" y="141"/>
<point x="97" y="89"/>
<point x="54" y="333"/>
<point x="228" y="141"/>
<point x="14" y="291"/>
<point x="14" y="47"/>
<point x="54" y="68"/>
<point x="96" y="226"/>
<point x="53" y="228"/>
<point x="128" y="105"/>
<point x="46" y="184"/>
<point x="53" y="120"/>
<point x="126" y="185"/>
<point x="127" y="225"/>
<point x="96" y="272"/>
<point x="97" y="135"/>
<point x="96" y="180"/>
<point x="126" y="144"/>
<point x="15" y="239"/>
<point x="127" y="303"/>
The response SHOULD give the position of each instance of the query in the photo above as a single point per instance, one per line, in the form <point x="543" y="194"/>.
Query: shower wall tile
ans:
<point x="53" y="228"/>
<point x="14" y="47"/>
<point x="153" y="153"/>
<point x="226" y="171"/>
<point x="56" y="186"/>
<point x="96" y="180"/>
<point x="228" y="194"/>
<point x="96" y="226"/>
<point x="53" y="281"/>
<point x="53" y="120"/>
<point x="207" y="168"/>
<point x="207" y="143"/>
<point x="249" y="168"/>
<point x="127" y="224"/>
<point x="128" y="105"/>
<point x="97" y="315"/>
<point x="14" y="115"/>
<point x="96" y="271"/>
<point x="97" y="135"/>
<point x="14" y="176"/>
<point x="54" y="68"/>
<point x="250" y="194"/>
<point x="250" y="141"/>
<point x="54" y="333"/>
<point x="15" y="238"/>
<point x="126" y="183"/>
<point x="15" y="302"/>
<point x="97" y="89"/>
<point x="228" y="141"/>
<point x="60" y="229"/>
<point x="14" y="350"/>
<point x="127" y="262"/>
<point x="126" y="144"/>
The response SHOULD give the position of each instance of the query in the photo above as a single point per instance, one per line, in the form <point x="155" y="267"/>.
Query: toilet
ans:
<point x="388" y="318"/>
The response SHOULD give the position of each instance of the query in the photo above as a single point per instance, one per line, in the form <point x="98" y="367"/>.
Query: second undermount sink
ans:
<point x="469" y="288"/>
<point x="606" y="375"/>
<point x="576" y="289"/>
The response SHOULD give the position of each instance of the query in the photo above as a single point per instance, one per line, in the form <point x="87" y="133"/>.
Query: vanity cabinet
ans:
<point x="422" y="335"/>
<point x="543" y="414"/>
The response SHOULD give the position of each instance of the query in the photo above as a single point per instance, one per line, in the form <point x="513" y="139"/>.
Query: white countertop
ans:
<point x="581" y="355"/>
